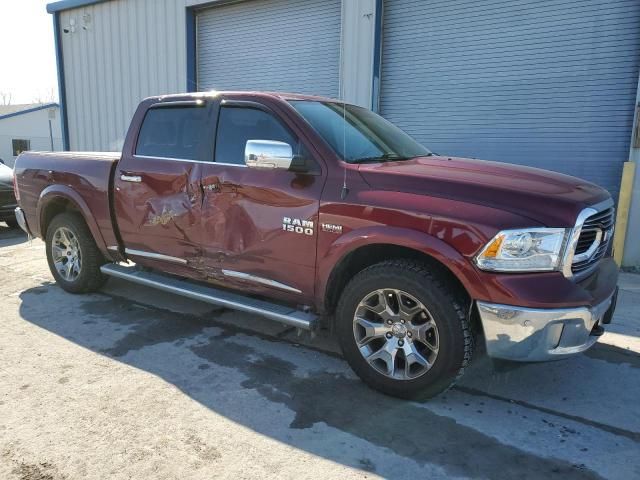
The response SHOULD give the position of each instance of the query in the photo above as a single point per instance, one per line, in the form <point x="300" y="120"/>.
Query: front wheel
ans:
<point x="403" y="331"/>
<point x="74" y="259"/>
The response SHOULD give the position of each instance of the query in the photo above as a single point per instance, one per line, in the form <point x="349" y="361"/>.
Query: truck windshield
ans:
<point x="358" y="135"/>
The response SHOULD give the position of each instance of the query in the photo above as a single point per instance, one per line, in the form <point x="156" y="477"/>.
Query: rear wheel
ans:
<point x="403" y="331"/>
<point x="74" y="258"/>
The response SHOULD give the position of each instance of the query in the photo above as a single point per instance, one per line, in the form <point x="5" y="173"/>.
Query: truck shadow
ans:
<point x="11" y="236"/>
<point x="298" y="396"/>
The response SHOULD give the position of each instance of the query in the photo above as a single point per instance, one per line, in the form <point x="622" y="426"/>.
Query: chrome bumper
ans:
<point x="22" y="221"/>
<point x="532" y="335"/>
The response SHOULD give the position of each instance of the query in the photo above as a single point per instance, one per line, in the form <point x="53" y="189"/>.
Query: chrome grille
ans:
<point x="587" y="237"/>
<point x="596" y="228"/>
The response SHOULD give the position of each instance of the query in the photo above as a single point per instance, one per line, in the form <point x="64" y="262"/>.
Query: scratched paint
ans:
<point x="165" y="210"/>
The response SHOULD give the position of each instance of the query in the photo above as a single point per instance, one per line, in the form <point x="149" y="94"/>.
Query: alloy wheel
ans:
<point x="66" y="254"/>
<point x="396" y="334"/>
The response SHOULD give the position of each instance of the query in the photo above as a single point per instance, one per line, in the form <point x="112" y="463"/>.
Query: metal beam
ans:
<point x="377" y="57"/>
<point x="192" y="71"/>
<point x="628" y="229"/>
<point x="62" y="96"/>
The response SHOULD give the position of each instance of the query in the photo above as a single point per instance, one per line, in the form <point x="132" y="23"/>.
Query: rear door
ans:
<point x="158" y="199"/>
<point x="259" y="225"/>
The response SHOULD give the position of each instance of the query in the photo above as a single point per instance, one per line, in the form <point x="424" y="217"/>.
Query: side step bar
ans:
<point x="272" y="311"/>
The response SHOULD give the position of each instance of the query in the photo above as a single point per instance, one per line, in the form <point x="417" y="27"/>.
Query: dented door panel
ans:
<point x="161" y="213"/>
<point x="262" y="224"/>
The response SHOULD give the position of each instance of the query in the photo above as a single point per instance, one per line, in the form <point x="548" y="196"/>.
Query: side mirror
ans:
<point x="268" y="154"/>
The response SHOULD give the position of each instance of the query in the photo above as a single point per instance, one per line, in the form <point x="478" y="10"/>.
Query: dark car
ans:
<point x="7" y="198"/>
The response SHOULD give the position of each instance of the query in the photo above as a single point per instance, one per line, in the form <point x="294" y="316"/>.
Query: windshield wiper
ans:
<point x="387" y="157"/>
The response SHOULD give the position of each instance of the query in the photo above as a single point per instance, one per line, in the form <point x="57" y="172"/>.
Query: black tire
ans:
<point x="445" y="303"/>
<point x="89" y="278"/>
<point x="12" y="222"/>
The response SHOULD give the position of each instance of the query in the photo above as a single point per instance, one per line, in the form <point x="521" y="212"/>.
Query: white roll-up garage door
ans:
<point x="549" y="84"/>
<point x="275" y="45"/>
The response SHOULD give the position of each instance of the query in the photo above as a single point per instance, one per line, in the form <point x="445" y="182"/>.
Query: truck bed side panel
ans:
<point x="80" y="177"/>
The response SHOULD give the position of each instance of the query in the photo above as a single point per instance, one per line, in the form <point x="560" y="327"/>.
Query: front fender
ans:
<point x="404" y="237"/>
<point x="53" y="192"/>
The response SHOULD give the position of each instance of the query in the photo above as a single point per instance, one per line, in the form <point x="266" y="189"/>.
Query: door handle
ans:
<point x="127" y="177"/>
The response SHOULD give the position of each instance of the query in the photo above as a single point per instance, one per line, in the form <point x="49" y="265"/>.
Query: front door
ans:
<point x="259" y="225"/>
<point x="158" y="199"/>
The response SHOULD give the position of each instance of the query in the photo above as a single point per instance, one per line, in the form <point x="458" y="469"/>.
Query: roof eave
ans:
<point x="29" y="110"/>
<point x="69" y="4"/>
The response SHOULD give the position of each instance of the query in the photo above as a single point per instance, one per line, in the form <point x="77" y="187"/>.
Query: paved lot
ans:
<point x="132" y="383"/>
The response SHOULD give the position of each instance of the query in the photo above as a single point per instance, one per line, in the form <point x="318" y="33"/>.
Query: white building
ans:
<point x="550" y="84"/>
<point x="29" y="127"/>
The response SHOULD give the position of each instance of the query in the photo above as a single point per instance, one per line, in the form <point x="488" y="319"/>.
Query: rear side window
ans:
<point x="236" y="125"/>
<point x="175" y="132"/>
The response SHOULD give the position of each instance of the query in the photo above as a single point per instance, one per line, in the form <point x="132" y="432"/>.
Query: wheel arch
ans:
<point x="57" y="199"/>
<point x="367" y="248"/>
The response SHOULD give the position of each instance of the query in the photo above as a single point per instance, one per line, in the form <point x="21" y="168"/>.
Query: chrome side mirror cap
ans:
<point x="268" y="154"/>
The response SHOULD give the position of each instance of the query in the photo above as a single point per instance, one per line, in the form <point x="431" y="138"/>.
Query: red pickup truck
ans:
<point x="315" y="213"/>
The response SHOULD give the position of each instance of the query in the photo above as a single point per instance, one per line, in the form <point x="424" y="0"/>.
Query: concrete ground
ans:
<point x="132" y="383"/>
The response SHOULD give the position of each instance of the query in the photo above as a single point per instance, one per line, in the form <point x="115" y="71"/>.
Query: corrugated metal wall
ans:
<point x="275" y="45"/>
<point x="124" y="50"/>
<point x="120" y="52"/>
<point x="549" y="84"/>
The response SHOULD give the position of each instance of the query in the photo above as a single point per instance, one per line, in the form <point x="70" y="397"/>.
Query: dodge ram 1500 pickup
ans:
<point x="312" y="213"/>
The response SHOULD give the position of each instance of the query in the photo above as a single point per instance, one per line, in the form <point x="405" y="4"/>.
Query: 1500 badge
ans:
<point x="295" y="225"/>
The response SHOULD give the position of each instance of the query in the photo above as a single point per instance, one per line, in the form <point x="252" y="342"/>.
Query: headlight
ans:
<point x="526" y="250"/>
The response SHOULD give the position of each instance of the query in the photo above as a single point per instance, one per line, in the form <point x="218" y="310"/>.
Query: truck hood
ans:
<point x="550" y="198"/>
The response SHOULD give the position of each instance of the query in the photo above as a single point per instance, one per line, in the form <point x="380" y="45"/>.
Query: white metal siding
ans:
<point x="275" y="45"/>
<point x="550" y="84"/>
<point x="32" y="126"/>
<point x="358" y="40"/>
<point x="130" y="49"/>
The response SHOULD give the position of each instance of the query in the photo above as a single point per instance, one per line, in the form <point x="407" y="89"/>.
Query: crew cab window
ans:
<point x="175" y="132"/>
<point x="236" y="125"/>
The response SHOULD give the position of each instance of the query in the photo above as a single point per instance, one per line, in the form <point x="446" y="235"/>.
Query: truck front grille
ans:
<point x="596" y="235"/>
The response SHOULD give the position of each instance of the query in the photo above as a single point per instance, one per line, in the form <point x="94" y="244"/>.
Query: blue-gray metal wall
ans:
<point x="550" y="84"/>
<point x="275" y="45"/>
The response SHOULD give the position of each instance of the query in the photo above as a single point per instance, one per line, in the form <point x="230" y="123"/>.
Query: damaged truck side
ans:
<point x="315" y="213"/>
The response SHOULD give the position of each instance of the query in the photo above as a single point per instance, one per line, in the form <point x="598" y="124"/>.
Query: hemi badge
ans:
<point x="331" y="228"/>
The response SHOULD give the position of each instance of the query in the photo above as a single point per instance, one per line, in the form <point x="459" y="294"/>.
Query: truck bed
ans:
<point x="82" y="177"/>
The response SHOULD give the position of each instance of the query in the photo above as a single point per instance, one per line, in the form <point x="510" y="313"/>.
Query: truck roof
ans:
<point x="242" y="93"/>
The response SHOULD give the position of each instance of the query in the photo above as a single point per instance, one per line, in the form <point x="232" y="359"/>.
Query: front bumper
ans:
<point x="531" y="334"/>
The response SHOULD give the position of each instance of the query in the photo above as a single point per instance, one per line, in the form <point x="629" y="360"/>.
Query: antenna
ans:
<point x="345" y="190"/>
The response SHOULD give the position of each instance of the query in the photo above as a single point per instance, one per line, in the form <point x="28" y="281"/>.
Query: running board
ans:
<point x="234" y="301"/>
